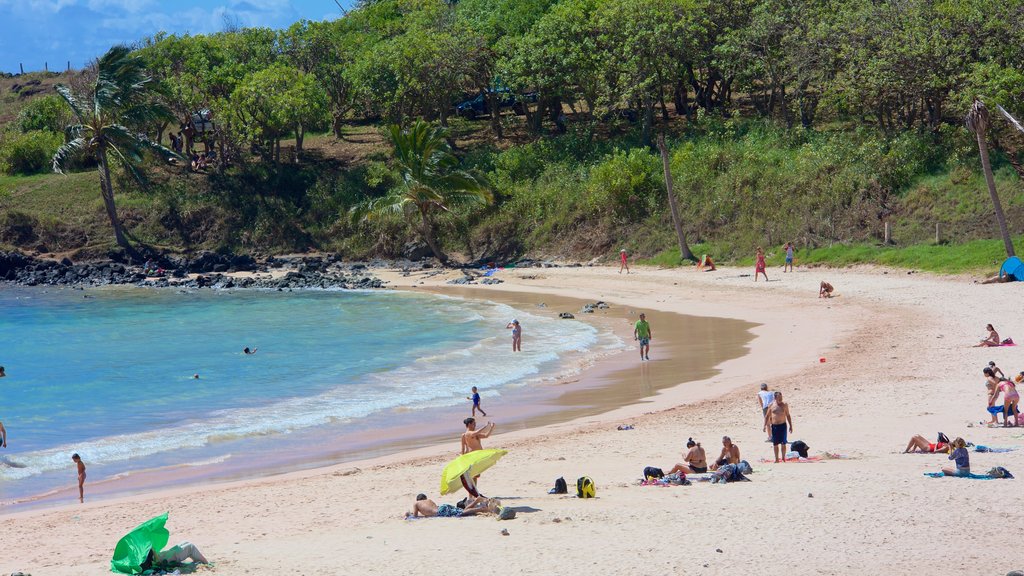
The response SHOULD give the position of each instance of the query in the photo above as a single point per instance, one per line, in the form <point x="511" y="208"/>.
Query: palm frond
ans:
<point x="65" y="152"/>
<point x="77" y="108"/>
<point x="1009" y="118"/>
<point x="128" y="165"/>
<point x="135" y="143"/>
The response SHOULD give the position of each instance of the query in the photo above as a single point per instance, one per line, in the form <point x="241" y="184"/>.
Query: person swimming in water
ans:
<point x="247" y="351"/>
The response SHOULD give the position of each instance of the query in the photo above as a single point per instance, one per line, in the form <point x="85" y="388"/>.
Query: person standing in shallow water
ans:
<point x="642" y="334"/>
<point x="517" y="336"/>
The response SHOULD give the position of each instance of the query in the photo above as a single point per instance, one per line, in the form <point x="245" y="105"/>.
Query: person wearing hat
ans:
<point x="517" y="335"/>
<point x="623" y="261"/>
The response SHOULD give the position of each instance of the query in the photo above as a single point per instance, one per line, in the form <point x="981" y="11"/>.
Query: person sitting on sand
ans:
<point x="730" y="454"/>
<point x="1010" y="400"/>
<point x="918" y="443"/>
<point x="427" y="508"/>
<point x="962" y="457"/>
<point x="706" y="264"/>
<point x="694" y="461"/>
<point x="993" y="337"/>
<point x="825" y="290"/>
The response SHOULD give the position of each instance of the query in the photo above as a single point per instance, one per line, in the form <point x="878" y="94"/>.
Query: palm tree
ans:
<point x="431" y="185"/>
<point x="977" y="122"/>
<point x="118" y="99"/>
<point x="684" y="247"/>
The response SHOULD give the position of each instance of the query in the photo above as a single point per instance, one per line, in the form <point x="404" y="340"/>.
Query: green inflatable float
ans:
<point x="133" y="549"/>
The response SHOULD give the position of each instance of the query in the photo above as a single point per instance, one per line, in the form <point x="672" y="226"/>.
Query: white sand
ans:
<point x="899" y="362"/>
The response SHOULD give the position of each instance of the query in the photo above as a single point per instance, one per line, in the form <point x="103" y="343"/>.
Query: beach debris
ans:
<point x="809" y="495"/>
<point x="506" y="513"/>
<point x="719" y="550"/>
<point x="542" y="305"/>
<point x="601" y="305"/>
<point x="504" y="532"/>
<point x="587" y="309"/>
<point x="821" y="360"/>
<point x="556" y="520"/>
<point x="566" y="316"/>
<point x="626" y="427"/>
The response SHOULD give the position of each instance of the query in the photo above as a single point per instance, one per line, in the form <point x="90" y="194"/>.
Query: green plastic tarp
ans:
<point x="132" y="550"/>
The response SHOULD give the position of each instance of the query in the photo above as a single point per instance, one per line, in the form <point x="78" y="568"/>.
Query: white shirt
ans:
<point x="767" y="397"/>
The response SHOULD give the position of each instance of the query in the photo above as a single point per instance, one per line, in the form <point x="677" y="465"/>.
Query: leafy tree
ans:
<point x="432" y="185"/>
<point x="29" y="152"/>
<point x="119" y="99"/>
<point x="47" y="113"/>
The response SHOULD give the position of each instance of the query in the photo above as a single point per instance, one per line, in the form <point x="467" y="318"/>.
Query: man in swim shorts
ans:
<point x="642" y="334"/>
<point x="777" y="417"/>
<point x="427" y="508"/>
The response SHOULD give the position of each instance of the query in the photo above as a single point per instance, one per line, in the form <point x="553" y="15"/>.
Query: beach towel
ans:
<point x="971" y="477"/>
<point x="797" y="460"/>
<point x="980" y="448"/>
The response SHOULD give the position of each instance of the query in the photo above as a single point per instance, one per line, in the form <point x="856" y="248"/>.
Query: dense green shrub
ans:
<point x="28" y="153"/>
<point x="48" y="113"/>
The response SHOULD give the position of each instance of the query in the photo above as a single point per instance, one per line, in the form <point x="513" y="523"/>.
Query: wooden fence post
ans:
<point x="887" y="238"/>
<point x="938" y="238"/>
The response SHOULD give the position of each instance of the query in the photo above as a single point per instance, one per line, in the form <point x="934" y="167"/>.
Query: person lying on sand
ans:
<point x="918" y="443"/>
<point x="176" y="554"/>
<point x="694" y="461"/>
<point x="825" y="290"/>
<point x="730" y="454"/>
<point x="993" y="337"/>
<point x="427" y="508"/>
<point x="962" y="457"/>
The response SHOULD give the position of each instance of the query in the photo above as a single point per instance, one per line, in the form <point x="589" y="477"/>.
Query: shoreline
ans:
<point x="583" y="384"/>
<point x="888" y="335"/>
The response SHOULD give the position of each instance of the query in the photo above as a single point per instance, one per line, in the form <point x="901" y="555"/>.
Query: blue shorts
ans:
<point x="645" y="342"/>
<point x="448" y="511"/>
<point x="779" y="435"/>
<point x="789" y="260"/>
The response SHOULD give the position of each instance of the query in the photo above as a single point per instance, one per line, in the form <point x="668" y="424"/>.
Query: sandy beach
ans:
<point x="898" y="361"/>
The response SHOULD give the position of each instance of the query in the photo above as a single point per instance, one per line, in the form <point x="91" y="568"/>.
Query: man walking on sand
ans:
<point x="471" y="437"/>
<point x="642" y="334"/>
<point x="765" y="397"/>
<point x="777" y="416"/>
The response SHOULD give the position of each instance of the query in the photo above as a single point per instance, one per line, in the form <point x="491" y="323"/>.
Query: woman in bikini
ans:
<point x="919" y="443"/>
<point x="759" y="266"/>
<point x="993" y="337"/>
<point x="1010" y="400"/>
<point x="695" y="460"/>
<point x="992" y="385"/>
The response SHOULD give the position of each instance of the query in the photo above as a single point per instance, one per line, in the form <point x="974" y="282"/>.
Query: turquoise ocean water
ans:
<point x="110" y="375"/>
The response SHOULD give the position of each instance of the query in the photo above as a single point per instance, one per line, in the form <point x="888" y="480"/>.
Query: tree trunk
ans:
<point x="1000" y="217"/>
<point x="684" y="248"/>
<point x="648" y="122"/>
<point x="300" y="135"/>
<point x="494" y="107"/>
<point x="427" y="231"/>
<point x="107" y="192"/>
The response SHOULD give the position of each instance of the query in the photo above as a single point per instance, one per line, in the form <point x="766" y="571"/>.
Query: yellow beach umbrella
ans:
<point x="471" y="464"/>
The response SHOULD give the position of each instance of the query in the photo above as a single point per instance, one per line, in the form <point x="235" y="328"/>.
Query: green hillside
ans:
<point x="813" y="121"/>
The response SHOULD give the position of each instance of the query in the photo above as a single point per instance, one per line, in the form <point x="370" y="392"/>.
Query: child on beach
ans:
<point x="81" y="476"/>
<point x="789" y="257"/>
<point x="476" y="402"/>
<point x="623" y="261"/>
<point x="963" y="459"/>
<point x="517" y="335"/>
<point x="825" y="290"/>
<point x="759" y="265"/>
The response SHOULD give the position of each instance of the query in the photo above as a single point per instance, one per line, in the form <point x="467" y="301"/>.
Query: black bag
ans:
<point x="800" y="447"/>
<point x="560" y="487"/>
<point x="652" y="472"/>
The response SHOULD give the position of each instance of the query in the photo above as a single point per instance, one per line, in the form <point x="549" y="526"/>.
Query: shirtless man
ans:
<point x="730" y="454"/>
<point x="427" y="508"/>
<point x="777" y="417"/>
<point x="471" y="437"/>
<point x="81" y="476"/>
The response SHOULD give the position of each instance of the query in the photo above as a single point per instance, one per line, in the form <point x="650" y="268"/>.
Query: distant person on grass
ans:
<point x="730" y="454"/>
<point x="476" y="402"/>
<point x="777" y="416"/>
<point x="623" y="261"/>
<point x="471" y="437"/>
<point x="642" y="334"/>
<point x="789" y="257"/>
<point x="81" y="476"/>
<point x="759" y="265"/>
<point x="517" y="336"/>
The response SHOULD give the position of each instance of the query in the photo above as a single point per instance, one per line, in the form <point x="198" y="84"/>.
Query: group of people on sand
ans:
<point x="957" y="451"/>
<point x="695" y="460"/>
<point x="996" y="383"/>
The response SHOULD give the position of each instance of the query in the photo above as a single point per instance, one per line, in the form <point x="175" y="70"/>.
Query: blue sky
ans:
<point x="55" y="31"/>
